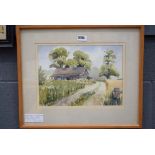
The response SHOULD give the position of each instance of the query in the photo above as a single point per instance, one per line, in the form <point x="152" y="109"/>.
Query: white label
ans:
<point x="82" y="38"/>
<point x="33" y="118"/>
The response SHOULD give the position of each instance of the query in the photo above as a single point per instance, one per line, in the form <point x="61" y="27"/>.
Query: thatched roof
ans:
<point x="69" y="71"/>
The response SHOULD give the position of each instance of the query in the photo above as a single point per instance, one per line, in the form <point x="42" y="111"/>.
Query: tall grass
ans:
<point x="54" y="90"/>
<point x="82" y="98"/>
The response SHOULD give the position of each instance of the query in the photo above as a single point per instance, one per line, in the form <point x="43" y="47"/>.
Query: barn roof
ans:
<point x="69" y="71"/>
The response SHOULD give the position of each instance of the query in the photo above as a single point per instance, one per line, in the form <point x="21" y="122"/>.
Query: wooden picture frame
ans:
<point x="138" y="116"/>
<point x="9" y="36"/>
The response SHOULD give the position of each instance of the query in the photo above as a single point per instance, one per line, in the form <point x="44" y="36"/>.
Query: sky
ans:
<point x="95" y="52"/>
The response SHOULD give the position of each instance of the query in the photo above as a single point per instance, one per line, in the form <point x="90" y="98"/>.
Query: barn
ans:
<point x="70" y="73"/>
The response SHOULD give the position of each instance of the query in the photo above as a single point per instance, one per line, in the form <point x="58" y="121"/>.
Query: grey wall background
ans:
<point x="9" y="84"/>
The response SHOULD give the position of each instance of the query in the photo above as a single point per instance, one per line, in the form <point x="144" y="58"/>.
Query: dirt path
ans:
<point x="97" y="98"/>
<point x="68" y="100"/>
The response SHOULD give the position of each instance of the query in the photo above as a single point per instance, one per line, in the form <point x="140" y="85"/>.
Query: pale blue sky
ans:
<point x="95" y="52"/>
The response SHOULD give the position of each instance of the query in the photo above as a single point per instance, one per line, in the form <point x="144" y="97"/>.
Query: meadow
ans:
<point x="54" y="90"/>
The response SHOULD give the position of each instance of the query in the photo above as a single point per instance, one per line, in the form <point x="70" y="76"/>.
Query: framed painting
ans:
<point x="7" y="35"/>
<point x="88" y="76"/>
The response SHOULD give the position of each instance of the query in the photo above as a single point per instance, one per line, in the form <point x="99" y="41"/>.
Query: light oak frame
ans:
<point x="56" y="27"/>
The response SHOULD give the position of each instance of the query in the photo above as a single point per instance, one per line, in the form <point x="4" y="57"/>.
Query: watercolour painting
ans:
<point x="2" y="32"/>
<point x="80" y="75"/>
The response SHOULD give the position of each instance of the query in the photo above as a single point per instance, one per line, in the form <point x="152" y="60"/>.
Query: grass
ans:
<point x="80" y="101"/>
<point x="54" y="90"/>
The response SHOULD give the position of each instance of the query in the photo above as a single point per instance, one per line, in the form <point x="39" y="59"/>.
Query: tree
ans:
<point x="71" y="63"/>
<point x="58" y="57"/>
<point x="82" y="59"/>
<point x="108" y="69"/>
<point x="42" y="77"/>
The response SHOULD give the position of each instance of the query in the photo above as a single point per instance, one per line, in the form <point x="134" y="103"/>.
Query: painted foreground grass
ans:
<point x="82" y="98"/>
<point x="54" y="90"/>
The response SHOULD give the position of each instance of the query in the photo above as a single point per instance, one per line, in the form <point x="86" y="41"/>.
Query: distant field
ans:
<point x="110" y="84"/>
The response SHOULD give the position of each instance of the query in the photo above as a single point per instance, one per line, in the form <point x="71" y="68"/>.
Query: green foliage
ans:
<point x="86" y="81"/>
<point x="80" y="55"/>
<point x="108" y="69"/>
<point x="54" y="90"/>
<point x="43" y="95"/>
<point x="71" y="63"/>
<point x="42" y="76"/>
<point x="58" y="57"/>
<point x="58" y="52"/>
<point x="82" y="59"/>
<point x="61" y="61"/>
<point x="82" y="98"/>
<point x="109" y="57"/>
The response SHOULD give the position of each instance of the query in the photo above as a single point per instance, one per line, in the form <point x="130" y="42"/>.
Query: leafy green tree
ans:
<point x="108" y="69"/>
<point x="42" y="77"/>
<point x="82" y="59"/>
<point x="71" y="63"/>
<point x="58" y="57"/>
